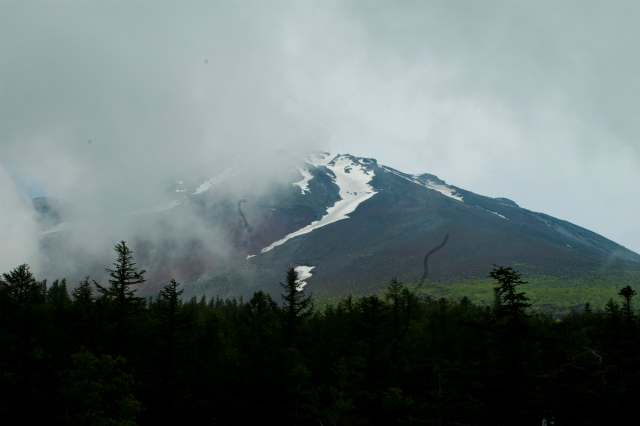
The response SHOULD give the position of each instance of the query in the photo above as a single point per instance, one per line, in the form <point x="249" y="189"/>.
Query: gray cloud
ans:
<point x="535" y="101"/>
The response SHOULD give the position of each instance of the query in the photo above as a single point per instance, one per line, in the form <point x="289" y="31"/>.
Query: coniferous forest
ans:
<point x="102" y="355"/>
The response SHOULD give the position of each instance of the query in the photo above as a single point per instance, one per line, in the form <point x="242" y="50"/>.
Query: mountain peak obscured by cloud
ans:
<point x="502" y="98"/>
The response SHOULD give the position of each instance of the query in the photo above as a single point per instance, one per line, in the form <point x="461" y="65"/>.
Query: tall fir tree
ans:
<point x="170" y="320"/>
<point x="297" y="307"/>
<point x="509" y="302"/>
<point x="119" y="298"/>
<point x="627" y="294"/>
<point x="22" y="289"/>
<point x="123" y="278"/>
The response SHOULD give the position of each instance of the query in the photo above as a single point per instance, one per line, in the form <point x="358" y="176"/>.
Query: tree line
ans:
<point x="101" y="355"/>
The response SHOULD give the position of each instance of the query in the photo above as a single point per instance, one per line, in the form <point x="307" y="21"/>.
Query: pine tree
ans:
<point x="123" y="278"/>
<point x="627" y="294"/>
<point x="612" y="311"/>
<point x="297" y="307"/>
<point x="85" y="309"/>
<point x="119" y="297"/>
<point x="394" y="295"/>
<point x="372" y="324"/>
<point x="509" y="302"/>
<point x="58" y="295"/>
<point x="22" y="289"/>
<point x="260" y="317"/>
<point x="23" y="323"/>
<point x="83" y="294"/>
<point x="170" y="319"/>
<point x="512" y="332"/>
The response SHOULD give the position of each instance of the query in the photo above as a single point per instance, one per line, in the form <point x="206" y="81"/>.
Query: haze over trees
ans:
<point x="102" y="355"/>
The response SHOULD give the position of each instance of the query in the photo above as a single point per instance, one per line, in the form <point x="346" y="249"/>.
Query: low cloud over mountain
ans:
<point x="348" y="224"/>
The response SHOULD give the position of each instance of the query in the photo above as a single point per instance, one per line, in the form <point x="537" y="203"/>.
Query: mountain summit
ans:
<point x="347" y="224"/>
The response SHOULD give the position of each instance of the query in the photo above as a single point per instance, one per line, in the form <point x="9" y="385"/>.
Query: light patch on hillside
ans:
<point x="224" y="176"/>
<point x="443" y="189"/>
<point x="353" y="180"/>
<point x="59" y="227"/>
<point x="304" y="183"/>
<point x="496" y="213"/>
<point x="179" y="187"/>
<point x="304" y="273"/>
<point x="319" y="159"/>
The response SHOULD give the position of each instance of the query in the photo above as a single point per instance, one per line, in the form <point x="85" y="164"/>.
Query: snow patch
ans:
<point x="353" y="180"/>
<point x="496" y="213"/>
<point x="225" y="175"/>
<point x="304" y="272"/>
<point x="444" y="190"/>
<point x="319" y="159"/>
<point x="441" y="188"/>
<point x="304" y="183"/>
<point x="59" y="227"/>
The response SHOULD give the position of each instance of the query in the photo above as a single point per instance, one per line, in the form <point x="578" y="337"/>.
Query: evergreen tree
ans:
<point x="394" y="295"/>
<point x="123" y="278"/>
<point x="401" y="301"/>
<point x="297" y="307"/>
<point x="83" y="294"/>
<point x="511" y="333"/>
<point x="120" y="300"/>
<point x="58" y="296"/>
<point x="23" y="326"/>
<point x="627" y="294"/>
<point x="509" y="302"/>
<point x="169" y="360"/>
<point x="372" y="325"/>
<point x="97" y="391"/>
<point x="60" y="314"/>
<point x="85" y="312"/>
<point x="170" y="319"/>
<point x="612" y="311"/>
<point x="260" y="318"/>
<point x="21" y="288"/>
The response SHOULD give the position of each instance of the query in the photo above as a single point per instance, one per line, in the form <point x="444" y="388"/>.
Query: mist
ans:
<point x="105" y="104"/>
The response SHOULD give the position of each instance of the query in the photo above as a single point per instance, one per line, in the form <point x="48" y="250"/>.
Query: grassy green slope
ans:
<point x="549" y="294"/>
<point x="555" y="295"/>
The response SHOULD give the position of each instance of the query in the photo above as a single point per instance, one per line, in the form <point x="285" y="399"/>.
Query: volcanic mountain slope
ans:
<point x="349" y="225"/>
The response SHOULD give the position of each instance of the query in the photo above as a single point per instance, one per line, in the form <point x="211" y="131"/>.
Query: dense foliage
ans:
<point x="103" y="356"/>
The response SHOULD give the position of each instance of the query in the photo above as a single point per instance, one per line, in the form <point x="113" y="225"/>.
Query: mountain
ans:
<point x="347" y="224"/>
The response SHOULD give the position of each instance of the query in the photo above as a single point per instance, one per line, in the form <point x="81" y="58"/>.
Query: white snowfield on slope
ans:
<point x="443" y="189"/>
<point x="352" y="179"/>
<point x="304" y="183"/>
<point x="304" y="273"/>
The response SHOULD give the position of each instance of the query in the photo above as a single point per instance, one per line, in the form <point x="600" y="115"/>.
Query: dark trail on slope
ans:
<point x="244" y="218"/>
<point x="425" y="275"/>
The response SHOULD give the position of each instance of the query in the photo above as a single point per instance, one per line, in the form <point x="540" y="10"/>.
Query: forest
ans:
<point x="101" y="355"/>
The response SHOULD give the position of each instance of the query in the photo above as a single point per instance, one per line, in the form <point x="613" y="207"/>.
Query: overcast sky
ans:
<point x="538" y="102"/>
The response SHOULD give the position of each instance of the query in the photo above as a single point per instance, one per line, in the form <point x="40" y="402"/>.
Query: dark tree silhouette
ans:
<point x="297" y="307"/>
<point x="511" y="303"/>
<point x="120" y="295"/>
<point x="627" y="294"/>
<point x="21" y="287"/>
